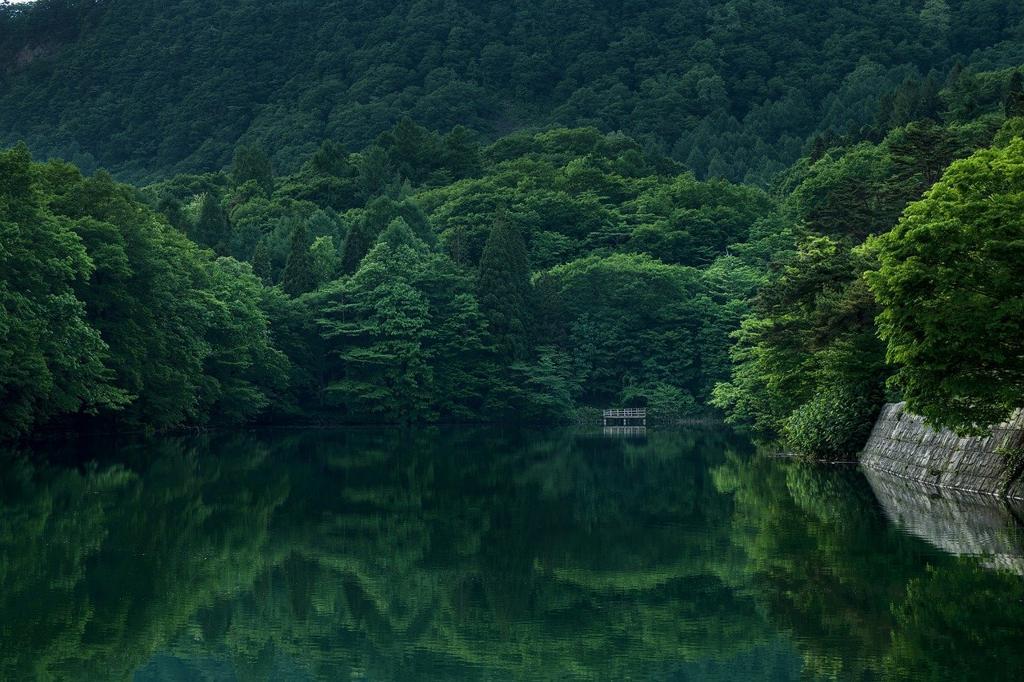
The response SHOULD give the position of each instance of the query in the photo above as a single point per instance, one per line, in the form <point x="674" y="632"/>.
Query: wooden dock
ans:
<point x="625" y="417"/>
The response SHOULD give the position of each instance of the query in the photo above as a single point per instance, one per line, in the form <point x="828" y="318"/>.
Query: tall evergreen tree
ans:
<point x="503" y="287"/>
<point x="261" y="265"/>
<point x="412" y="150"/>
<point x="358" y="242"/>
<point x="252" y="163"/>
<point x="1014" y="104"/>
<point x="323" y="259"/>
<point x="211" y="228"/>
<point x="298" y="276"/>
<point x="378" y="324"/>
<point x="376" y="218"/>
<point x="375" y="172"/>
<point x="331" y="159"/>
<point x="462" y="153"/>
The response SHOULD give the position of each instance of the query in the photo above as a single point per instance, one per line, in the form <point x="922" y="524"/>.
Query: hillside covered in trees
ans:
<point x="371" y="251"/>
<point x="731" y="88"/>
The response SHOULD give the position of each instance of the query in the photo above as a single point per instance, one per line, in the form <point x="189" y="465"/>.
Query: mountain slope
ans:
<point x="148" y="88"/>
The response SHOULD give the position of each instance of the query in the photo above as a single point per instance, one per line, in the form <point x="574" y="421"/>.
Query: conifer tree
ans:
<point x="1014" y="105"/>
<point x="503" y="287"/>
<point x="378" y="324"/>
<point x="298" y="276"/>
<point x="462" y="153"/>
<point x="211" y="228"/>
<point x="323" y="259"/>
<point x="330" y="159"/>
<point x="818" y="148"/>
<point x="374" y="172"/>
<point x="252" y="163"/>
<point x="362" y="236"/>
<point x="930" y="103"/>
<point x="261" y="265"/>
<point x="376" y="218"/>
<point x="412" y="150"/>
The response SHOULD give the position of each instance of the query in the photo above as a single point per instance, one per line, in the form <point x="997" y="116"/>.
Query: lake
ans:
<point x="486" y="554"/>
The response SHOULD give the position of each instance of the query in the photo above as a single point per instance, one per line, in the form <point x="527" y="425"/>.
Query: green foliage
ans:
<point x="666" y="404"/>
<point x="107" y="309"/>
<point x="731" y="88"/>
<point x="808" y="366"/>
<point x="261" y="265"/>
<point x="324" y="259"/>
<point x="375" y="218"/>
<point x="833" y="424"/>
<point x="299" y="275"/>
<point x="243" y="372"/>
<point x="1014" y="104"/>
<point x="633" y="325"/>
<point x="691" y="223"/>
<point x="949" y="283"/>
<point x="211" y="226"/>
<point x="544" y="390"/>
<point x="51" y="359"/>
<point x="808" y="343"/>
<point x="537" y="275"/>
<point x="403" y="326"/>
<point x="503" y="287"/>
<point x="252" y="164"/>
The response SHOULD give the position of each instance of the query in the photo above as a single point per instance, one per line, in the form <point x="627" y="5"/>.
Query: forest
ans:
<point x="424" y="212"/>
<point x="730" y="88"/>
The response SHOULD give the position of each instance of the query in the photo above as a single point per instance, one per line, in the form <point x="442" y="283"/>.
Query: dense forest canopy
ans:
<point x="731" y="88"/>
<point x="355" y="245"/>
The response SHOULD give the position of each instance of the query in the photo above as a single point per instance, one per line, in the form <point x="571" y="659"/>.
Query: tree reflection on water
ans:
<point x="476" y="554"/>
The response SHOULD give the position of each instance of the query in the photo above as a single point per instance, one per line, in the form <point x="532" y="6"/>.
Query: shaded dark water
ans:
<point x="489" y="555"/>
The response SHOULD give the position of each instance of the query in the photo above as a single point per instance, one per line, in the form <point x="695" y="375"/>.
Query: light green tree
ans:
<point x="950" y="282"/>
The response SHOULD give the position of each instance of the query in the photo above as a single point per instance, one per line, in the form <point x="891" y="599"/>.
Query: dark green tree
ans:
<point x="412" y="150"/>
<point x="360" y="238"/>
<point x="51" y="360"/>
<point x="298" y="276"/>
<point x="462" y="153"/>
<point x="376" y="217"/>
<point x="331" y="159"/>
<point x="503" y="287"/>
<point x="252" y="163"/>
<point x="374" y="173"/>
<point x="377" y="324"/>
<point x="211" y="228"/>
<point x="1014" y="103"/>
<point x="808" y="353"/>
<point x="261" y="265"/>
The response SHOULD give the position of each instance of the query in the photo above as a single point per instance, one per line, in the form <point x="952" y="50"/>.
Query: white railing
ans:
<point x="628" y="413"/>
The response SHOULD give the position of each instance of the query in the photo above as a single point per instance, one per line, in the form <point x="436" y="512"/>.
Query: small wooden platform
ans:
<point x="625" y="417"/>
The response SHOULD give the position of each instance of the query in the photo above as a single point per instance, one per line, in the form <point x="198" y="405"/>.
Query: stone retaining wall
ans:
<point x="903" y="446"/>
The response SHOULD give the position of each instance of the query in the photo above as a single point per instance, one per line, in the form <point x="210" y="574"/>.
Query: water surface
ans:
<point x="492" y="555"/>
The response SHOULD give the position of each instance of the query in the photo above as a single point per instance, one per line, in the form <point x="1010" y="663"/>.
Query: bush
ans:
<point x="834" y="424"/>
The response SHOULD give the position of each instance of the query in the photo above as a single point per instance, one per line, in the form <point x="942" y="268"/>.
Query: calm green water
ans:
<point x="491" y="555"/>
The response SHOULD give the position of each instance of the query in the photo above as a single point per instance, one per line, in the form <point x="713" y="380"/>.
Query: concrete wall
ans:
<point x="903" y="446"/>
